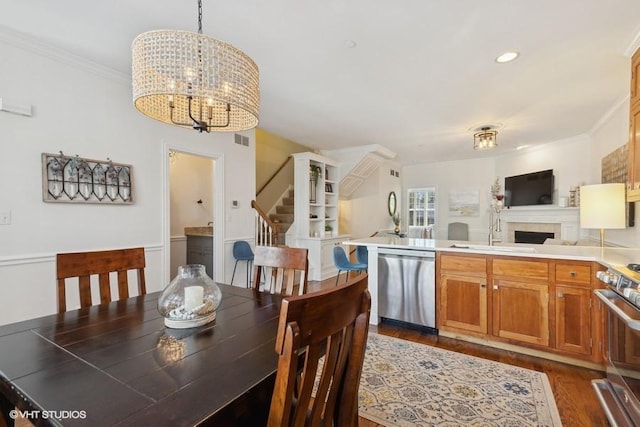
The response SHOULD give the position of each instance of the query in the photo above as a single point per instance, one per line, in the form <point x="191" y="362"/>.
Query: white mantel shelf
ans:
<point x="542" y="211"/>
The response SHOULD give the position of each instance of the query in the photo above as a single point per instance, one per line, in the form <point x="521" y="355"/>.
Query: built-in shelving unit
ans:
<point x="316" y="217"/>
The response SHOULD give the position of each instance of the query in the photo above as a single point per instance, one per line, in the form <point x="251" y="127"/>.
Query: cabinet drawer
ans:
<point x="573" y="273"/>
<point x="464" y="264"/>
<point x="521" y="268"/>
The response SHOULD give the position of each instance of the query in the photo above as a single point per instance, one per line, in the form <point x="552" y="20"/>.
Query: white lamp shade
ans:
<point x="602" y="206"/>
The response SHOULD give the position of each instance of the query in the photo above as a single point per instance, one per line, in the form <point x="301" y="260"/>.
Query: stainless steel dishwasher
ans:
<point x="406" y="286"/>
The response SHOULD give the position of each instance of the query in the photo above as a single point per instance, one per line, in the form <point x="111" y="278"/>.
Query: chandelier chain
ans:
<point x="199" y="16"/>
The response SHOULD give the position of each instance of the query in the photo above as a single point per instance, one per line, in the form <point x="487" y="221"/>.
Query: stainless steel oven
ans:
<point x="619" y="393"/>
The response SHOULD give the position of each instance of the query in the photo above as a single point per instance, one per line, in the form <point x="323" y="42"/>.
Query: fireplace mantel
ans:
<point x="568" y="220"/>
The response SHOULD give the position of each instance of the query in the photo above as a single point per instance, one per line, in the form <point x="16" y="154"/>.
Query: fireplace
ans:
<point x="561" y="223"/>
<point x="536" y="237"/>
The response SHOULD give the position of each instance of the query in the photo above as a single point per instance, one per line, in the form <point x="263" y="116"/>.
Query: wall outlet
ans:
<point x="5" y="217"/>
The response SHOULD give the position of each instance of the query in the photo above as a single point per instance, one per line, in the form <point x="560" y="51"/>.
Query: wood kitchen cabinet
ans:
<point x="633" y="186"/>
<point x="520" y="293"/>
<point x="577" y="317"/>
<point x="463" y="293"/>
<point x="545" y="304"/>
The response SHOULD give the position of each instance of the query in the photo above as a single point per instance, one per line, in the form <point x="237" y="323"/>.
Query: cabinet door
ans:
<point x="521" y="311"/>
<point x="463" y="303"/>
<point x="635" y="81"/>
<point x="634" y="147"/>
<point x="573" y="319"/>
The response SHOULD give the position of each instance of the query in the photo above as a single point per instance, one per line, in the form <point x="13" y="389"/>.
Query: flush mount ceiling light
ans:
<point x="485" y="139"/>
<point x="507" y="57"/>
<point x="191" y="80"/>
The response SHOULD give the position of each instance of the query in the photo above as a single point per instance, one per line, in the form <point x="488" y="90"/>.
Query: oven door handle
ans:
<point x="610" y="298"/>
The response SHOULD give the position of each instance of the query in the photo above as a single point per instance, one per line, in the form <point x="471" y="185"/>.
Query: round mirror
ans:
<point x="392" y="203"/>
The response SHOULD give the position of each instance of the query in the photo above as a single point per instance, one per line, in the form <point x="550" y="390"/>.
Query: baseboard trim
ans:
<point x="524" y="350"/>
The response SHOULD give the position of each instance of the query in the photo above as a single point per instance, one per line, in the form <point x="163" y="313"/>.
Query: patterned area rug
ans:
<point x="408" y="384"/>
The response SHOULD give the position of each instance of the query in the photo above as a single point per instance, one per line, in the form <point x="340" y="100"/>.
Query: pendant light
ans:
<point x="191" y="80"/>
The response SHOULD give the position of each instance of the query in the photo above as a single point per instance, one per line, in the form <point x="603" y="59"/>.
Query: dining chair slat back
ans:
<point x="283" y="269"/>
<point x="83" y="265"/>
<point x="331" y="325"/>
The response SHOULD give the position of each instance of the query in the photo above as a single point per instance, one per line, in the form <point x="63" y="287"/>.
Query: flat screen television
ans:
<point x="534" y="188"/>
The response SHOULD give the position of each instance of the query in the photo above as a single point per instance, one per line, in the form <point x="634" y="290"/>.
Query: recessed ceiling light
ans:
<point x="350" y="44"/>
<point x="507" y="57"/>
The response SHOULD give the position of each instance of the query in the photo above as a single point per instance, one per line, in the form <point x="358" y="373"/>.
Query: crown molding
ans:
<point x="610" y="112"/>
<point x="39" y="47"/>
<point x="633" y="46"/>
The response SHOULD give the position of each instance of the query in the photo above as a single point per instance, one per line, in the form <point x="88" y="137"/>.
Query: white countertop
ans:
<point x="614" y="257"/>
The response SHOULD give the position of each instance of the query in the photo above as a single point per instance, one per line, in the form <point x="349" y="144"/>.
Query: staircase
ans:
<point x="284" y="215"/>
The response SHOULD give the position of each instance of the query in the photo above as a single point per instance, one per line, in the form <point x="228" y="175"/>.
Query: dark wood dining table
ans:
<point x="117" y="364"/>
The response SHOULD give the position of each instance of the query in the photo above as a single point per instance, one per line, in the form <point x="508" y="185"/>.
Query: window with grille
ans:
<point x="421" y="207"/>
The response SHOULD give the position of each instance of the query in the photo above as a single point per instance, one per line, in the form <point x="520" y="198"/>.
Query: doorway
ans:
<point x="193" y="210"/>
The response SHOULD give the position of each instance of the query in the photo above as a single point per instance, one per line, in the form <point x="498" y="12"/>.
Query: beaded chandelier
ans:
<point x="192" y="80"/>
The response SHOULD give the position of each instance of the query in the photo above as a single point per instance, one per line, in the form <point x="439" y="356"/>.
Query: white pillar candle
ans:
<point x="193" y="297"/>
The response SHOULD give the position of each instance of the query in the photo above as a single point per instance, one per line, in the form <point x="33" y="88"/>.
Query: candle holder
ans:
<point x="191" y="299"/>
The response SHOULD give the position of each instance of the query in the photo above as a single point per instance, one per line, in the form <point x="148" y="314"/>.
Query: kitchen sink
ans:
<point x="493" y="248"/>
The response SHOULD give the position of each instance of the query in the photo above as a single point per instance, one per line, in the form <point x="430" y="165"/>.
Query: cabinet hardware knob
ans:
<point x="483" y="286"/>
<point x="560" y="295"/>
<point x="573" y="274"/>
<point x="495" y="287"/>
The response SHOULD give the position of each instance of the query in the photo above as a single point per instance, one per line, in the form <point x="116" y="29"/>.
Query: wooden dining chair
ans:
<point x="331" y="324"/>
<point x="282" y="268"/>
<point x="83" y="265"/>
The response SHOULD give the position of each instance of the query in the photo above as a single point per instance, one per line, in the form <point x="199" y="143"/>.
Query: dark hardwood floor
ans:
<point x="571" y="385"/>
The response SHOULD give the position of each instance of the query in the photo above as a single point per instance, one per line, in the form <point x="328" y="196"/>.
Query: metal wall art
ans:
<point x="76" y="180"/>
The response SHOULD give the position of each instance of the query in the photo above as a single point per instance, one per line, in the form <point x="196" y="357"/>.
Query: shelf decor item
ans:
<point x="315" y="172"/>
<point x="191" y="299"/>
<point x="396" y="222"/>
<point x="328" y="230"/>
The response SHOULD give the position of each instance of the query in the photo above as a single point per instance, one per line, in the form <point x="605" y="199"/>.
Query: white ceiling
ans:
<point x="422" y="73"/>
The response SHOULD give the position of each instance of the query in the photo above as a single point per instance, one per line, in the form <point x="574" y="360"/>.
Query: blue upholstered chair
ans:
<point x="362" y="255"/>
<point x="242" y="252"/>
<point x="342" y="263"/>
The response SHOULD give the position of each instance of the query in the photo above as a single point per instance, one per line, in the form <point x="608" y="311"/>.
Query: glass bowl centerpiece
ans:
<point x="191" y="299"/>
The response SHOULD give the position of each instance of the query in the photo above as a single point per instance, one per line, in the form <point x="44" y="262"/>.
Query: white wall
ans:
<point x="191" y="180"/>
<point x="609" y="135"/>
<point x="476" y="174"/>
<point x="87" y="110"/>
<point x="366" y="212"/>
<point x="570" y="160"/>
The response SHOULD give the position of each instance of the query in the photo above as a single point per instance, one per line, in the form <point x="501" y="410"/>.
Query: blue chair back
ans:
<point x="362" y="255"/>
<point x="242" y="251"/>
<point x="340" y="258"/>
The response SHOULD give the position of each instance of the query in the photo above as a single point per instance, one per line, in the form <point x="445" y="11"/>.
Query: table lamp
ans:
<point x="602" y="206"/>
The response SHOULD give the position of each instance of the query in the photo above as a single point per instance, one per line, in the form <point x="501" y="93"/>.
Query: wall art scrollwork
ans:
<point x="73" y="179"/>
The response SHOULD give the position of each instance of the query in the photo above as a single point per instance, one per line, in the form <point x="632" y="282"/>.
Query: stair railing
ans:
<point x="280" y="168"/>
<point x="266" y="231"/>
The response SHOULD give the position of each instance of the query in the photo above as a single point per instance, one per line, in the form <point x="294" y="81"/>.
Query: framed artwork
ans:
<point x="464" y="203"/>
<point x="73" y="179"/>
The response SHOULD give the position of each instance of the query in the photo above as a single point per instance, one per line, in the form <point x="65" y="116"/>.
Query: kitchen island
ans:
<point x="515" y="296"/>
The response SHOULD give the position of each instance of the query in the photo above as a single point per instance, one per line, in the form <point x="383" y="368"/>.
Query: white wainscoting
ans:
<point x="178" y="253"/>
<point x="28" y="284"/>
